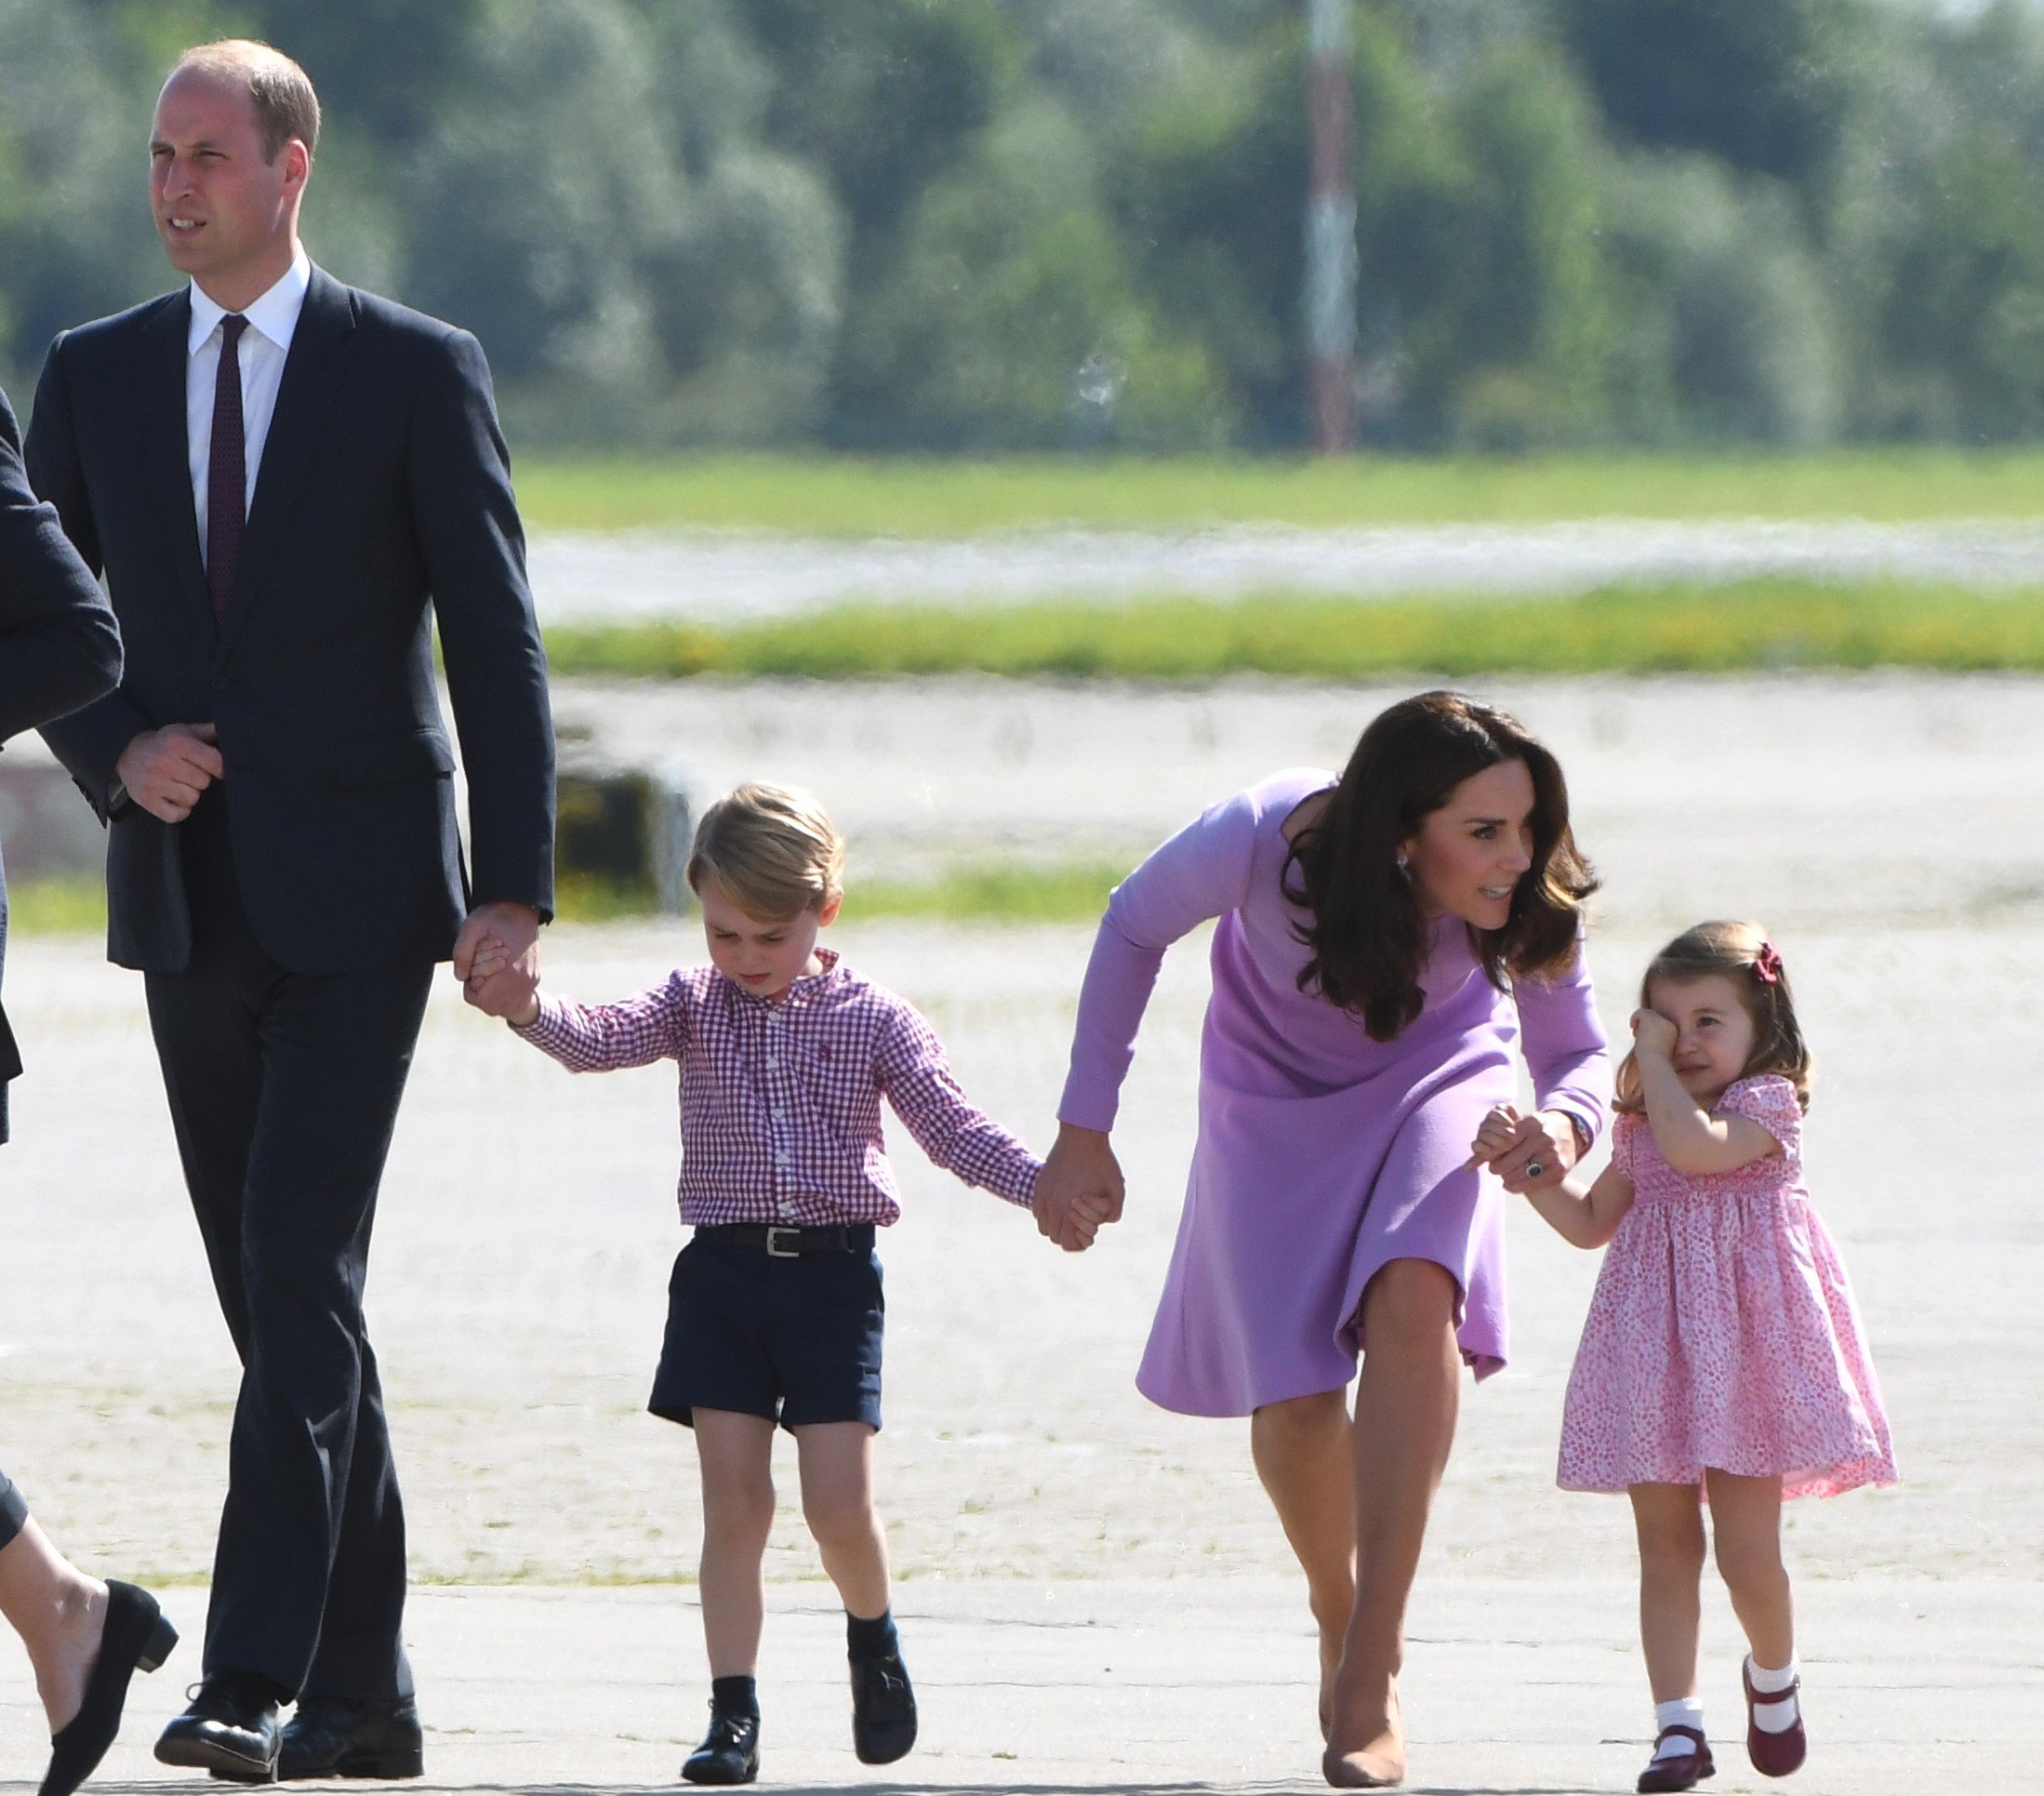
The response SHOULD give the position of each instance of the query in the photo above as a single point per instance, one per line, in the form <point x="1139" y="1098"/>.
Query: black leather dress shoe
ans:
<point x="137" y="1638"/>
<point x="352" y="1737"/>
<point x="730" y="1751"/>
<point x="229" y="1730"/>
<point x="884" y="1709"/>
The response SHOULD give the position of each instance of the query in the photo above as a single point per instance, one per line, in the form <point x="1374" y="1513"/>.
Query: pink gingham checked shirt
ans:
<point x="781" y="1101"/>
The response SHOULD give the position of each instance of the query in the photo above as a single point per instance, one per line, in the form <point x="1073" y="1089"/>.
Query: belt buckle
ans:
<point x="773" y="1251"/>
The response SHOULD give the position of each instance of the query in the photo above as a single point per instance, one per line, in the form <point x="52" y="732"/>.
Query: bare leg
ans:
<point x="1745" y="1520"/>
<point x="1669" y="1523"/>
<point x="1304" y="1454"/>
<point x="1406" y="1403"/>
<point x="61" y="1615"/>
<point x="736" y="1454"/>
<point x="837" y="1502"/>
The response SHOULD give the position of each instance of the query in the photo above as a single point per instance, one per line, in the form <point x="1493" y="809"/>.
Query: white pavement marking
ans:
<point x="729" y="576"/>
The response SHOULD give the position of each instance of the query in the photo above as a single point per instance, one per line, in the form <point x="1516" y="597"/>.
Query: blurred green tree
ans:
<point x="534" y="194"/>
<point x="1723" y="326"/>
<point x="1005" y="222"/>
<point x="1207" y="192"/>
<point x="1964" y="315"/>
<point x="1011" y="319"/>
<point x="1765" y="86"/>
<point x="77" y="86"/>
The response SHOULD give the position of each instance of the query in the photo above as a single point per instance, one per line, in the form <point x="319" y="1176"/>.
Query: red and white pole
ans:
<point x="1330" y="226"/>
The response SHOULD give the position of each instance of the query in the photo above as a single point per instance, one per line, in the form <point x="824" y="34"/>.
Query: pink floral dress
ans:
<point x="1724" y="1331"/>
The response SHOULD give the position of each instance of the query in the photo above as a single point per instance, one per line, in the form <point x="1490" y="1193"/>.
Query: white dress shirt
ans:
<point x="272" y="321"/>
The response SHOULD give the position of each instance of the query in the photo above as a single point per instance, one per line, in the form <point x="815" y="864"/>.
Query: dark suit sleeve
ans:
<point x="58" y="647"/>
<point x="91" y="741"/>
<point x="459" y="470"/>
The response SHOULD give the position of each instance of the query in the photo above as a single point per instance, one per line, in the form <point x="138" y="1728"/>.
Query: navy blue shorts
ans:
<point x="796" y="1340"/>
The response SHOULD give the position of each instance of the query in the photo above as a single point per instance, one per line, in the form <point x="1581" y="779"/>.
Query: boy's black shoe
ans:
<point x="883" y="1708"/>
<point x="351" y="1737"/>
<point x="730" y="1751"/>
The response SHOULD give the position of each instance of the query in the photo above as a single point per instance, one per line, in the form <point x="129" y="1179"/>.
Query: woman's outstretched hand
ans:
<point x="1526" y="1151"/>
<point x="1079" y="1189"/>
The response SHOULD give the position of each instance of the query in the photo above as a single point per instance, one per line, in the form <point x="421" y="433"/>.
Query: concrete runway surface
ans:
<point x="1094" y="1592"/>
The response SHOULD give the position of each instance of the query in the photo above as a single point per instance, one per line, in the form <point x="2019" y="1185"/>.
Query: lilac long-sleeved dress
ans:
<point x="1323" y="1155"/>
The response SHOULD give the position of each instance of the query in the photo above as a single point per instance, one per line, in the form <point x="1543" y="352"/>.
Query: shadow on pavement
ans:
<point x="994" y="1787"/>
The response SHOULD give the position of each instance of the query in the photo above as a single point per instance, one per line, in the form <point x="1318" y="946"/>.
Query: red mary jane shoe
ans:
<point x="1774" y="1755"/>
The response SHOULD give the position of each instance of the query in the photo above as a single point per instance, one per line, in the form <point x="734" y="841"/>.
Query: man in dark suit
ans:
<point x="287" y="480"/>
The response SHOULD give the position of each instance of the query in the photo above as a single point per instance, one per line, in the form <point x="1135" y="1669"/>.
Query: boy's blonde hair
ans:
<point x="1742" y="954"/>
<point x="771" y="849"/>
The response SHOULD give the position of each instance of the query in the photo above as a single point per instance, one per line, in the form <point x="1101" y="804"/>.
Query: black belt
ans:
<point x="780" y="1242"/>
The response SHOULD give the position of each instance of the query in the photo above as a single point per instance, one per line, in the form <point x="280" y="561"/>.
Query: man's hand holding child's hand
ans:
<point x="498" y="984"/>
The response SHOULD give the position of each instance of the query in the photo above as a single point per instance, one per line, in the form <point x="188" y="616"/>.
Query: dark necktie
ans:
<point x="226" y="472"/>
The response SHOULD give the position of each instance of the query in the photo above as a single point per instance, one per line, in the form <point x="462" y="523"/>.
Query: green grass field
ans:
<point x="855" y="497"/>
<point x="975" y="891"/>
<point x="1682" y="628"/>
<point x="63" y="905"/>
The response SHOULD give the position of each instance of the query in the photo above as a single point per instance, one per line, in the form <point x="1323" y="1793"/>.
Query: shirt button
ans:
<point x="778" y="1113"/>
<point x="784" y="1159"/>
<point x="772" y="1062"/>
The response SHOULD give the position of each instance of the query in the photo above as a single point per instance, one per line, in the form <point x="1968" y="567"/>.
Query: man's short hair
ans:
<point x="281" y="91"/>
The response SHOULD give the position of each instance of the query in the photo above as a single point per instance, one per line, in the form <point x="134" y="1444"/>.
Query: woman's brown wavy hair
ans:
<point x="1741" y="953"/>
<point x="1368" y="935"/>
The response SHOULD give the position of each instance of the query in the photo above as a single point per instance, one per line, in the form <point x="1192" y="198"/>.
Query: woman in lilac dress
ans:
<point x="1384" y="939"/>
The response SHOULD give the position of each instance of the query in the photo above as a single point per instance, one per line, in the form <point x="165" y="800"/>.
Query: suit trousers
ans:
<point x="284" y="1093"/>
<point x="14" y="1511"/>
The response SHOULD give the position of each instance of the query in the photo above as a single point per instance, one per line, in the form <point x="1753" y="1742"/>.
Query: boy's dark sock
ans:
<point x="735" y="1697"/>
<point x="873" y="1639"/>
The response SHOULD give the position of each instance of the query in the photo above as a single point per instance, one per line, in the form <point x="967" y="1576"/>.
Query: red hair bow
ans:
<point x="1767" y="965"/>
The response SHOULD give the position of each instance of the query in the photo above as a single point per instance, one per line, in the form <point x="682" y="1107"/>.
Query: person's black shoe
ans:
<point x="231" y="1729"/>
<point x="352" y="1737"/>
<point x="137" y="1638"/>
<point x="730" y="1751"/>
<point x="884" y="1709"/>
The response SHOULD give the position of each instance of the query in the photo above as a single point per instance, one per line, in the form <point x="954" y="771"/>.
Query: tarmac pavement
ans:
<point x="1515" y="1687"/>
<point x="1094" y="1593"/>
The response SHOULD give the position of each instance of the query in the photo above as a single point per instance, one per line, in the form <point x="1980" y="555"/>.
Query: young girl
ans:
<point x="1722" y="1357"/>
<point x="775" y="1308"/>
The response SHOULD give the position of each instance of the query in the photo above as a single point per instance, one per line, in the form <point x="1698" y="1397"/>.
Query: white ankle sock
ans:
<point x="1773" y="1717"/>
<point x="1681" y="1711"/>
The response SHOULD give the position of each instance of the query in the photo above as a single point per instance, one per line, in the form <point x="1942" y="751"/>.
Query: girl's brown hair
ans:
<point x="1741" y="953"/>
<point x="1368" y="932"/>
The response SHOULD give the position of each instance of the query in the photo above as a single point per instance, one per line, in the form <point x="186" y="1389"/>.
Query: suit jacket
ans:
<point x="383" y="501"/>
<point x="59" y="648"/>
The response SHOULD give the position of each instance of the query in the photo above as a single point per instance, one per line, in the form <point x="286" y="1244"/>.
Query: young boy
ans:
<point x="774" y="1309"/>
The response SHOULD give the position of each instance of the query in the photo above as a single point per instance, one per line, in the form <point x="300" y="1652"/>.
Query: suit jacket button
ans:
<point x="221" y="683"/>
